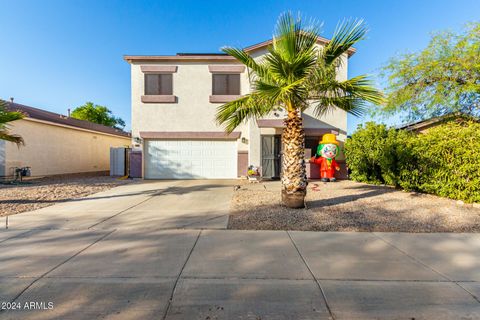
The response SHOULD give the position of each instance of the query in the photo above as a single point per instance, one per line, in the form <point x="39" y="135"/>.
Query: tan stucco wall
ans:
<point x="192" y="85"/>
<point x="51" y="149"/>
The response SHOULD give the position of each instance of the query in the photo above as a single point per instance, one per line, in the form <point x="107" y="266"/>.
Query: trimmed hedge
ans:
<point x="444" y="161"/>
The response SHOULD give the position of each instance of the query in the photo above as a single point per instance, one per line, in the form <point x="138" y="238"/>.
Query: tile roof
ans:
<point x="422" y="124"/>
<point x="56" y="118"/>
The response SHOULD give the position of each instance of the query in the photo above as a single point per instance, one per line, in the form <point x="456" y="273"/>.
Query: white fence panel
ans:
<point x="117" y="161"/>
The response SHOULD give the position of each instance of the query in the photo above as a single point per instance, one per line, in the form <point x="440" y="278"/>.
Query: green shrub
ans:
<point x="364" y="151"/>
<point x="377" y="154"/>
<point x="444" y="161"/>
<point x="449" y="159"/>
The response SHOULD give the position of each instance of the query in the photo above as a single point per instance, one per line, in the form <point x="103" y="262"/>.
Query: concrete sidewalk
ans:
<point x="131" y="254"/>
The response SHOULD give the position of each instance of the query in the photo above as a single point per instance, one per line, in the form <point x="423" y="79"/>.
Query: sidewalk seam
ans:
<point x="313" y="275"/>
<point x="59" y="265"/>
<point x="169" y="303"/>
<point x="428" y="267"/>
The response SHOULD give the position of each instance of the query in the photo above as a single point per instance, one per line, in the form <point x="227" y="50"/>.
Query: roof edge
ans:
<point x="202" y="57"/>
<point x="71" y="127"/>
<point x="213" y="56"/>
<point x="62" y="120"/>
<point x="433" y="120"/>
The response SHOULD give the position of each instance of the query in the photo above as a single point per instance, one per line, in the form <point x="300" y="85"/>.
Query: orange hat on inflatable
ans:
<point x="329" y="138"/>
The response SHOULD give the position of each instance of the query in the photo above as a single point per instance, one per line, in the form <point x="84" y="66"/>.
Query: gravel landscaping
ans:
<point x="350" y="206"/>
<point x="44" y="192"/>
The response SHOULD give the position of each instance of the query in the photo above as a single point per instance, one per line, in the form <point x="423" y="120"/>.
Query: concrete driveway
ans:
<point x="157" y="250"/>
<point x="145" y="205"/>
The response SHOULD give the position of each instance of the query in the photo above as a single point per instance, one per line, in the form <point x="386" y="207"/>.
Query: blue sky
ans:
<point x="57" y="55"/>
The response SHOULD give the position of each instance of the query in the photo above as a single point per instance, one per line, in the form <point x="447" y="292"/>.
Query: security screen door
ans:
<point x="271" y="155"/>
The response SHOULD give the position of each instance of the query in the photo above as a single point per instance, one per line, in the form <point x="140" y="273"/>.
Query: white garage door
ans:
<point x="190" y="159"/>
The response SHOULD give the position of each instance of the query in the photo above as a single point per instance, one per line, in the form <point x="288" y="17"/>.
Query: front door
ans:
<point x="271" y="154"/>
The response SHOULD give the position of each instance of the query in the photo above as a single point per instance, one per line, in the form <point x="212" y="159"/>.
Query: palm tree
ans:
<point x="296" y="74"/>
<point x="5" y="117"/>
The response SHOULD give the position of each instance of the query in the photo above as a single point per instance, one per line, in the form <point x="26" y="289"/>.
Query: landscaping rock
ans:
<point x="350" y="206"/>
<point x="38" y="193"/>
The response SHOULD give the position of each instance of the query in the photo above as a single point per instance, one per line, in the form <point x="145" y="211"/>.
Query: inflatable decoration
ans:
<point x="325" y="157"/>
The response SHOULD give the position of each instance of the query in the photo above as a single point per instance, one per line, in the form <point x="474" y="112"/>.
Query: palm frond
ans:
<point x="347" y="34"/>
<point x="292" y="38"/>
<point x="294" y="74"/>
<point x="284" y="41"/>
<point x="5" y="117"/>
<point x="289" y="71"/>
<point x="352" y="96"/>
<point x="247" y="60"/>
<point x="11" y="137"/>
<point x="354" y="106"/>
<point x="233" y="113"/>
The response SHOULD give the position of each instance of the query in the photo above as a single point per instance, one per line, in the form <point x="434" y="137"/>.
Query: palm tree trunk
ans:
<point x="294" y="177"/>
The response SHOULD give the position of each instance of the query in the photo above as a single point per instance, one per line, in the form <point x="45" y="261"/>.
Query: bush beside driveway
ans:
<point x="350" y="206"/>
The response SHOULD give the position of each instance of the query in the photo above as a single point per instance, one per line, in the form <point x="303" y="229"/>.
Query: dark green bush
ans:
<point x="377" y="154"/>
<point x="364" y="150"/>
<point x="449" y="160"/>
<point x="444" y="161"/>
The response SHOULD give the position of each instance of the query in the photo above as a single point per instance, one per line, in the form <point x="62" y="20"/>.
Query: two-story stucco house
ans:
<point x="174" y="101"/>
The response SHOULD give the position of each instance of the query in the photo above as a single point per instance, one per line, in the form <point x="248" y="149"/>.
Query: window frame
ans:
<point x="159" y="76"/>
<point x="227" y="75"/>
<point x="158" y="70"/>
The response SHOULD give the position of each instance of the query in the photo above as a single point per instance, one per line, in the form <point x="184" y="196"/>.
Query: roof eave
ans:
<point x="213" y="57"/>
<point x="218" y="58"/>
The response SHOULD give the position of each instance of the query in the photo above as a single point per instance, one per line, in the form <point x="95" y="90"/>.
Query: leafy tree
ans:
<point x="296" y="74"/>
<point x="441" y="79"/>
<point x="5" y="117"/>
<point x="97" y="114"/>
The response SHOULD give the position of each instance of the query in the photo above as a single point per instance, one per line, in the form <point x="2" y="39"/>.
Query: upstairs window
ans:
<point x="225" y="84"/>
<point x="159" y="84"/>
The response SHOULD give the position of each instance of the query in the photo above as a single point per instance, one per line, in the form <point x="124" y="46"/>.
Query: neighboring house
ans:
<point x="424" y="125"/>
<point x="57" y="144"/>
<point x="174" y="101"/>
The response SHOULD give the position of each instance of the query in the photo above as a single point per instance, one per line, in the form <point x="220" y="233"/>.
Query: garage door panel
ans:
<point x="190" y="159"/>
